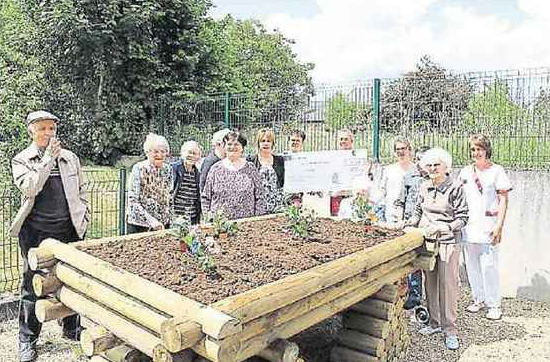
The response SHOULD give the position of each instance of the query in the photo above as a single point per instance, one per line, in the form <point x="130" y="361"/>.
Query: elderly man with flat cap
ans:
<point x="53" y="206"/>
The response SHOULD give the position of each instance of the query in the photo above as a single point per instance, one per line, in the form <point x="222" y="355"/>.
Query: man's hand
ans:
<point x="159" y="227"/>
<point x="54" y="148"/>
<point x="496" y="235"/>
<point x="389" y="225"/>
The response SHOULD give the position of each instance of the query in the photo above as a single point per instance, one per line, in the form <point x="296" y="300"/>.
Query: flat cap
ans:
<point x="40" y="116"/>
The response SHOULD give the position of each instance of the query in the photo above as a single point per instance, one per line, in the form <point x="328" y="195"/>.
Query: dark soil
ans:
<point x="261" y="252"/>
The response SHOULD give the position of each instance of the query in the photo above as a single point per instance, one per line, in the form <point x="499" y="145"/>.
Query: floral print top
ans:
<point x="149" y="198"/>
<point x="273" y="194"/>
<point x="237" y="192"/>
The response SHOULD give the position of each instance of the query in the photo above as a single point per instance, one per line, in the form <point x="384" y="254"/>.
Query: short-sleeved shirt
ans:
<point x="483" y="206"/>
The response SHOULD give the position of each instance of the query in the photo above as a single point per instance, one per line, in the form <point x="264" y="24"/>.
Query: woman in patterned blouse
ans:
<point x="271" y="169"/>
<point x="233" y="185"/>
<point x="149" y="197"/>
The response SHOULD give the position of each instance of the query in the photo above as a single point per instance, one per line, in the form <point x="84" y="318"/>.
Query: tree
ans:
<point x="109" y="61"/>
<point x="261" y="67"/>
<point x="429" y="97"/>
<point x="21" y="80"/>
<point x="492" y="111"/>
<point x="342" y="113"/>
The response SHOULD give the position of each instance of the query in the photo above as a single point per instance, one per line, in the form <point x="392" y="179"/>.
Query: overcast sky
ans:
<point x="360" y="39"/>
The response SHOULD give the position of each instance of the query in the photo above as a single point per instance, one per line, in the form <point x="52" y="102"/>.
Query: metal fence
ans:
<point x="511" y="107"/>
<point x="107" y="195"/>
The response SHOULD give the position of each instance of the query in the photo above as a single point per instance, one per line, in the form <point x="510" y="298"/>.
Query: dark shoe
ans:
<point x="411" y="302"/>
<point x="27" y="351"/>
<point x="72" y="334"/>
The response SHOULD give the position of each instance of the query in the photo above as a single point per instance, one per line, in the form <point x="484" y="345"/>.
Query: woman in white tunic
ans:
<point x="486" y="186"/>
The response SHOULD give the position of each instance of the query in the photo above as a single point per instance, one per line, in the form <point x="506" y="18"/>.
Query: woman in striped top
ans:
<point x="187" y="201"/>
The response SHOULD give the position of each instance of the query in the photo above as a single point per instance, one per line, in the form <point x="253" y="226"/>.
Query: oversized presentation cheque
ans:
<point x="325" y="171"/>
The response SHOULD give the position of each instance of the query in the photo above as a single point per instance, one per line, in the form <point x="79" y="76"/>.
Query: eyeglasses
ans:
<point x="401" y="148"/>
<point x="433" y="165"/>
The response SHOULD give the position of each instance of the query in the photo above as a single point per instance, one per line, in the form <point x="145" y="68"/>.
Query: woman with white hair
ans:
<point x="149" y="197"/>
<point x="441" y="212"/>
<point x="187" y="201"/>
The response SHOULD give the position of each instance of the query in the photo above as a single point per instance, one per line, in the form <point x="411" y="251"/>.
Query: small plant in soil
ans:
<point x="365" y="213"/>
<point x="300" y="222"/>
<point x="190" y="242"/>
<point x="222" y="226"/>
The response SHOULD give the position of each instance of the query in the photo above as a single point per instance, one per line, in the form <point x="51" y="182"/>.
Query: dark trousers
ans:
<point x="134" y="229"/>
<point x="415" y="284"/>
<point x="29" y="326"/>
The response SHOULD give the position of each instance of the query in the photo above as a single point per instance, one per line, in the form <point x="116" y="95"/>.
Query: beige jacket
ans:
<point x="30" y="174"/>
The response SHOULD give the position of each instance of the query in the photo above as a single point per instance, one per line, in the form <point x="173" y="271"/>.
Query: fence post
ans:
<point x="226" y="110"/>
<point x="122" y="200"/>
<point x="376" y="120"/>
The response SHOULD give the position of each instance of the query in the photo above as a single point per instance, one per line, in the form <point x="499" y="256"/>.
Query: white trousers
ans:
<point x="482" y="267"/>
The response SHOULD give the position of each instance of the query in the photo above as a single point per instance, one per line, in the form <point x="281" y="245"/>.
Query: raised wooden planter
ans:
<point x="135" y="313"/>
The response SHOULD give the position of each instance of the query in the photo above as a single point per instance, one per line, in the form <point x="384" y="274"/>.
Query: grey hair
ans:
<point x="153" y="140"/>
<point x="437" y="155"/>
<point x="345" y="131"/>
<point x="218" y="136"/>
<point x="188" y="146"/>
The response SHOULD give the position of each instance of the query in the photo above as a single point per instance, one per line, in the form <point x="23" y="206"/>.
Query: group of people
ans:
<point x="419" y="193"/>
<point x="464" y="213"/>
<point x="226" y="181"/>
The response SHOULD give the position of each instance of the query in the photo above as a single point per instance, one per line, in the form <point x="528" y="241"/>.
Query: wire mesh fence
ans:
<point x="106" y="195"/>
<point x="511" y="107"/>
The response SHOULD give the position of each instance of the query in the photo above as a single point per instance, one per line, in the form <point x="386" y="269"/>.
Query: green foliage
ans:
<point x="300" y="221"/>
<point x="107" y="62"/>
<point x="260" y="66"/>
<point x="187" y="234"/>
<point x="492" y="111"/>
<point x="363" y="210"/>
<point x="222" y="224"/>
<point x="21" y="80"/>
<point x="427" y="98"/>
<point x="342" y="113"/>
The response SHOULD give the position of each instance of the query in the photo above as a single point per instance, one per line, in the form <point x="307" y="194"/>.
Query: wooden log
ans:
<point x="425" y="262"/>
<point x="123" y="353"/>
<point x="41" y="257"/>
<point x="44" y="284"/>
<point x="343" y="354"/>
<point x="161" y="354"/>
<point x="87" y="323"/>
<point x="233" y="349"/>
<point x="96" y="340"/>
<point x="388" y="293"/>
<point x="124" y="329"/>
<point x="98" y="358"/>
<point x="110" y="297"/>
<point x="267" y="298"/>
<point x="172" y="334"/>
<point x="49" y="309"/>
<point x="361" y="342"/>
<point x="375" y="308"/>
<point x="281" y="351"/>
<point x="367" y="324"/>
<point x="213" y="322"/>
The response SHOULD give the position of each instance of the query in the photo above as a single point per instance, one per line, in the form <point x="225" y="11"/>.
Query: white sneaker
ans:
<point x="494" y="313"/>
<point x="475" y="307"/>
<point x="429" y="330"/>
